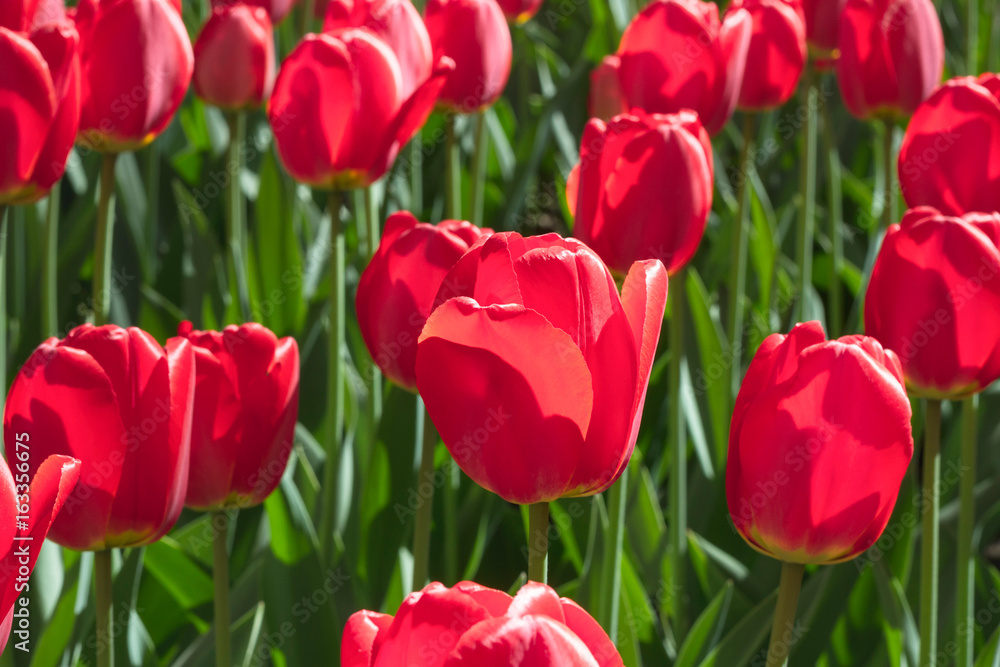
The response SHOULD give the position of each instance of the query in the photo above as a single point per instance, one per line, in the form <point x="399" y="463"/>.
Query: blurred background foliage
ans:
<point x="169" y="265"/>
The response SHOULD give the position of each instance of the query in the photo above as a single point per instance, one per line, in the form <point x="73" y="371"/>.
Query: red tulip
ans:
<point x="777" y="53"/>
<point x="471" y="625"/>
<point x="606" y="98"/>
<point x="399" y="25"/>
<point x="137" y="64"/>
<point x="39" y="98"/>
<point x="234" y="65"/>
<point x="519" y="12"/>
<point x="643" y="188"/>
<point x="338" y="112"/>
<point x="823" y="30"/>
<point x="245" y="407"/>
<point x="474" y="34"/>
<point x="818" y="446"/>
<point x="28" y="505"/>
<point x="677" y="54"/>
<point x="120" y="403"/>
<point x="950" y="157"/>
<point x="891" y="56"/>
<point x="397" y="289"/>
<point x="276" y="10"/>
<point x="534" y="370"/>
<point x="934" y="298"/>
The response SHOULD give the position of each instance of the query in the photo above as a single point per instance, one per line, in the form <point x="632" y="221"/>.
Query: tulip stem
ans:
<point x="220" y="575"/>
<point x="417" y="175"/>
<point x="308" y="9"/>
<point x="678" y="450"/>
<point x="807" y="212"/>
<point x="105" y="626"/>
<point x="104" y="241"/>
<point x="972" y="37"/>
<point x="453" y="171"/>
<point x="836" y="318"/>
<point x="966" y="523"/>
<point x="425" y="510"/>
<point x="931" y="535"/>
<point x="538" y="542"/>
<point x="335" y="377"/>
<point x="784" y="613"/>
<point x="375" y="376"/>
<point x="611" y="575"/>
<point x="738" y="258"/>
<point x="50" y="262"/>
<point x="889" y="206"/>
<point x="480" y="160"/>
<point x="236" y="213"/>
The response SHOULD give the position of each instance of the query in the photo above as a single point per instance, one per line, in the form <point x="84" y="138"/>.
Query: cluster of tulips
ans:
<point x="532" y="355"/>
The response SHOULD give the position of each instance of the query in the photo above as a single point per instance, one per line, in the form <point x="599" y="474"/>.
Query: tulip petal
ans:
<point x="592" y="634"/>
<point x="536" y="599"/>
<point x="359" y="637"/>
<point x="516" y="426"/>
<point x="535" y="641"/>
<point x="495" y="602"/>
<point x="734" y="40"/>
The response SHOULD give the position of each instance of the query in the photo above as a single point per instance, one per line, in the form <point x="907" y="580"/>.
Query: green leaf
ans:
<point x="712" y="378"/>
<point x="707" y="630"/>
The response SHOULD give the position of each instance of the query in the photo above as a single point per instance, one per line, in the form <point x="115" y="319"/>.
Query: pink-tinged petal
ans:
<point x="606" y="97"/>
<point x="359" y="637"/>
<point x="234" y="58"/>
<point x="535" y="641"/>
<point x="5" y="628"/>
<point x="592" y="634"/>
<point x="58" y="389"/>
<point x="514" y="425"/>
<point x="573" y="188"/>
<point x="496" y="282"/>
<point x="776" y="55"/>
<point x="734" y="41"/>
<point x="15" y="15"/>
<point x="536" y="599"/>
<point x="495" y="602"/>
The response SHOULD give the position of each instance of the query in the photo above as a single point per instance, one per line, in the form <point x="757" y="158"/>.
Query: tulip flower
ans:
<point x="823" y="30"/>
<point x="137" y="64"/>
<point x="399" y="25"/>
<point x="790" y="494"/>
<point x="346" y="133"/>
<point x="950" y="156"/>
<point x="234" y="62"/>
<point x="934" y="298"/>
<point x="777" y="52"/>
<point x="40" y="496"/>
<point x="677" y="54"/>
<point x="277" y="10"/>
<point x="399" y="285"/>
<point x="519" y="12"/>
<point x="120" y="403"/>
<point x="471" y="625"/>
<point x="557" y="417"/>
<point x="891" y="56"/>
<point x="474" y="34"/>
<point x="606" y="98"/>
<point x="643" y="188"/>
<point x="39" y="98"/>
<point x="245" y="407"/>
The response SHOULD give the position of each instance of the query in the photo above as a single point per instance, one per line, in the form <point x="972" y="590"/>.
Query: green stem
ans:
<point x="738" y="257"/>
<point x="678" y="452"/>
<point x="105" y="625"/>
<point x="335" y="377"/>
<point x="374" y="411"/>
<point x="538" y="542"/>
<point x="931" y="535"/>
<point x="50" y="267"/>
<point x="453" y="171"/>
<point x="611" y="576"/>
<point x="425" y="511"/>
<point x="836" y="319"/>
<point x="152" y="206"/>
<point x="784" y="613"/>
<point x="236" y="213"/>
<point x="889" y="165"/>
<point x="807" y="212"/>
<point x="452" y="484"/>
<point x="480" y="161"/>
<point x="105" y="233"/>
<point x="417" y="175"/>
<point x="972" y="37"/>
<point x="308" y="9"/>
<point x="965" y="581"/>
<point x="220" y="575"/>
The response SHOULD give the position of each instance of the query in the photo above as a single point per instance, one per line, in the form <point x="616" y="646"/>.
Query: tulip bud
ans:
<point x="474" y="34"/>
<point x="677" y="54"/>
<point x="137" y="64"/>
<point x="934" y="299"/>
<point x="823" y="30"/>
<point x="642" y="189"/>
<point x="346" y="133"/>
<point x="121" y="404"/>
<point x="245" y="406"/>
<point x="519" y="12"/>
<point x="606" y="98"/>
<point x="891" y="56"/>
<point x="777" y="52"/>
<point x="469" y="625"/>
<point x="234" y="65"/>
<point x="276" y="10"/>
<point x="950" y="157"/>
<point x="557" y="417"/>
<point x="818" y="446"/>
<point x="398" y="287"/>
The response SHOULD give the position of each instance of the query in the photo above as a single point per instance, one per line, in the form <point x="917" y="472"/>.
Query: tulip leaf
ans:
<point x="293" y="534"/>
<point x="712" y="379"/>
<point x="707" y="630"/>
